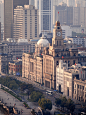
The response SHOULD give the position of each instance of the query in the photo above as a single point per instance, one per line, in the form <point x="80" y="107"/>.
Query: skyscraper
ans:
<point x="36" y="3"/>
<point x="8" y="18"/>
<point x="31" y="2"/>
<point x="9" y="6"/>
<point x="45" y="15"/>
<point x="26" y="22"/>
<point x="71" y="3"/>
<point x="18" y="22"/>
<point x="2" y="18"/>
<point x="55" y="2"/>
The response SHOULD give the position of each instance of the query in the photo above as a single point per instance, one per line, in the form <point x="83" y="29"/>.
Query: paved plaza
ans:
<point x="9" y="100"/>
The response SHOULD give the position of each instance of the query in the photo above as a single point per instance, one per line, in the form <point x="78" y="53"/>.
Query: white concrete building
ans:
<point x="31" y="2"/>
<point x="78" y="41"/>
<point x="66" y="31"/>
<point x="30" y="22"/>
<point x="65" y="76"/>
<point x="78" y="29"/>
<point x="26" y="22"/>
<point x="36" y="3"/>
<point x="60" y="76"/>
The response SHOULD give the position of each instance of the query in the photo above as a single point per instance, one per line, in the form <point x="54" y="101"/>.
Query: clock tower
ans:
<point x="57" y="39"/>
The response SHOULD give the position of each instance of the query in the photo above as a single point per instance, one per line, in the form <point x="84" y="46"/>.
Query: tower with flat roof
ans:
<point x="9" y="6"/>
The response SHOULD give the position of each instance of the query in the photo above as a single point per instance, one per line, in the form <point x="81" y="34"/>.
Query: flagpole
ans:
<point x="58" y="16"/>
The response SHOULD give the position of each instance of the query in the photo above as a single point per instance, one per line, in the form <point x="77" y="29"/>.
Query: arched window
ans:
<point x="57" y="63"/>
<point x="74" y="54"/>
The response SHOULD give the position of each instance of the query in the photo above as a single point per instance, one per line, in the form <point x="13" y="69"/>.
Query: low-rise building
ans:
<point x="78" y="41"/>
<point x="65" y="77"/>
<point x="4" y="61"/>
<point x="79" y="90"/>
<point x="15" y="67"/>
<point x="17" y="48"/>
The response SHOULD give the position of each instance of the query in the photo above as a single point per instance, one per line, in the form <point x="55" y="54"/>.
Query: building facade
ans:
<point x="32" y="64"/>
<point x="15" y="67"/>
<point x="79" y="90"/>
<point x="66" y="31"/>
<point x="26" y="22"/>
<point x="78" y="41"/>
<point x="45" y="16"/>
<point x="9" y="6"/>
<point x="16" y="48"/>
<point x="65" y="77"/>
<point x="47" y="56"/>
<point x="65" y="14"/>
<point x="4" y="62"/>
<point x="30" y="22"/>
<point x="18" y="22"/>
<point x="32" y="68"/>
<point x="2" y="18"/>
<point x="56" y="52"/>
<point x="32" y="2"/>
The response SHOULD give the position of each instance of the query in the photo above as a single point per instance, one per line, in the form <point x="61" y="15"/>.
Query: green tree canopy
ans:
<point x="45" y="104"/>
<point x="58" y="101"/>
<point x="63" y="102"/>
<point x="70" y="105"/>
<point x="35" y="96"/>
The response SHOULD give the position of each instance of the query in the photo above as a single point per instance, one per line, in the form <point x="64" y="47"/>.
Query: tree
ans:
<point x="63" y="102"/>
<point x="35" y="96"/>
<point x="70" y="105"/>
<point x="45" y="104"/>
<point x="58" y="101"/>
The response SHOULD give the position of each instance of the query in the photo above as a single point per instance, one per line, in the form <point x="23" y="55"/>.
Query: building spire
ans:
<point x="57" y="23"/>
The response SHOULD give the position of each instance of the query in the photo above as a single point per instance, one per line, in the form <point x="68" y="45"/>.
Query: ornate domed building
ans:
<point x="32" y="64"/>
<point x="40" y="46"/>
<point x="41" y="65"/>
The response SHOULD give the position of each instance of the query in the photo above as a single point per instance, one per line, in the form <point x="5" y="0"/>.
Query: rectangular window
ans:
<point x="25" y="11"/>
<point x="78" y="86"/>
<point x="83" y="87"/>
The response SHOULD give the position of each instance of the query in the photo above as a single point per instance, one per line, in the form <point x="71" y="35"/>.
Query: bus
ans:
<point x="49" y="92"/>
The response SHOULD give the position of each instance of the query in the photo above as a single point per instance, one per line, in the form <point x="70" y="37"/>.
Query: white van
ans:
<point x="49" y="92"/>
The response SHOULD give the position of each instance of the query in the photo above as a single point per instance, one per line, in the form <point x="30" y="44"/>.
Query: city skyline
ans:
<point x="43" y="56"/>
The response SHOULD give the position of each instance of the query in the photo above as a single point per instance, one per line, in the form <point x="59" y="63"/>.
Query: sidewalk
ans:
<point x="9" y="100"/>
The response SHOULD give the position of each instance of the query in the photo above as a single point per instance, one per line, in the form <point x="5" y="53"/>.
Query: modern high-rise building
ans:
<point x="9" y="6"/>
<point x="31" y="2"/>
<point x="30" y="22"/>
<point x="70" y="3"/>
<point x="26" y="22"/>
<point x="18" y="22"/>
<point x="76" y="16"/>
<point x="45" y="15"/>
<point x="65" y="14"/>
<point x="55" y="2"/>
<point x="2" y="18"/>
<point x="8" y="18"/>
<point x="36" y="3"/>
